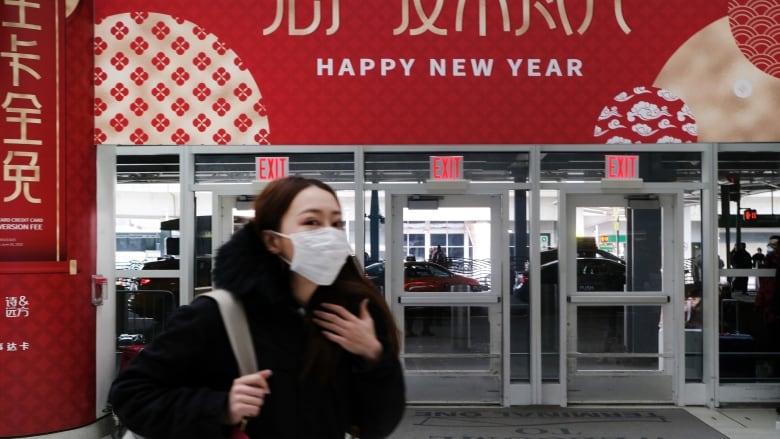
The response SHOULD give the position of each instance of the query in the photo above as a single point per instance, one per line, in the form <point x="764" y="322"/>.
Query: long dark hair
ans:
<point x="322" y="356"/>
<point x="351" y="287"/>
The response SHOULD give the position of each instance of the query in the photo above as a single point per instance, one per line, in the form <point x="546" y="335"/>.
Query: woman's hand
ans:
<point x="247" y="395"/>
<point x="355" y="334"/>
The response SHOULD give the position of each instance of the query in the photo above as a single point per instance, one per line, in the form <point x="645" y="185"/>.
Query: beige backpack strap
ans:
<point x="234" y="317"/>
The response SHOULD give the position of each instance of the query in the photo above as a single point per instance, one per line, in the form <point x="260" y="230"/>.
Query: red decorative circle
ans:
<point x="646" y="115"/>
<point x="172" y="82"/>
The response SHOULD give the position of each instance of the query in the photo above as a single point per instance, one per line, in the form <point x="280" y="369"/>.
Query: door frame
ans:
<point x="395" y="202"/>
<point x="672" y="279"/>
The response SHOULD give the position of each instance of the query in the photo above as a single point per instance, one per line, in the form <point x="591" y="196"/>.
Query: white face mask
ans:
<point x="318" y="254"/>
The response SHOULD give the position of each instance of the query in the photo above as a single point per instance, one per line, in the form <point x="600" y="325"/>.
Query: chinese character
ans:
<point x="427" y="20"/>
<point x="564" y="16"/>
<point x="552" y="12"/>
<point x="292" y="28"/>
<point x="16" y="56"/>
<point x="23" y="116"/>
<point x="22" y="175"/>
<point x="22" y="23"/>
<point x="17" y="307"/>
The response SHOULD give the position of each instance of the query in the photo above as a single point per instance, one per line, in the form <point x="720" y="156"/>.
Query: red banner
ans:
<point x="436" y="71"/>
<point x="47" y="321"/>
<point x="30" y="100"/>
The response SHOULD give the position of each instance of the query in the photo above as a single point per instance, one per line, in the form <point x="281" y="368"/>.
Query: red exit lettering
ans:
<point x="272" y="168"/>
<point x="622" y="166"/>
<point x="447" y="167"/>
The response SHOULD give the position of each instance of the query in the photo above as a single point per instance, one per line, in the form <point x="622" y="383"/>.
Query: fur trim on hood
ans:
<point x="246" y="268"/>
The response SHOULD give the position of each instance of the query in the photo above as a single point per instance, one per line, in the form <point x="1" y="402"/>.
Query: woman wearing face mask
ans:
<point x="326" y="343"/>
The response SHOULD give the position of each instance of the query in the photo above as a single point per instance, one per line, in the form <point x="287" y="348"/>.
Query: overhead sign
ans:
<point x="621" y="167"/>
<point x="272" y="168"/>
<point x="433" y="72"/>
<point x="448" y="167"/>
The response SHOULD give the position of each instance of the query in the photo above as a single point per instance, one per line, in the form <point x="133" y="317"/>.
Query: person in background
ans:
<point x="758" y="262"/>
<point x="438" y="256"/>
<point x="326" y="343"/>
<point x="434" y="254"/>
<point x="758" y="258"/>
<point x="740" y="258"/>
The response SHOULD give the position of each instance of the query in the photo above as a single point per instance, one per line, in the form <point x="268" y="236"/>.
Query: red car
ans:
<point x="421" y="276"/>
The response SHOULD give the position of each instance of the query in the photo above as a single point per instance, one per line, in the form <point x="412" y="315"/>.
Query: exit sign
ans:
<point x="621" y="167"/>
<point x="271" y="168"/>
<point x="446" y="167"/>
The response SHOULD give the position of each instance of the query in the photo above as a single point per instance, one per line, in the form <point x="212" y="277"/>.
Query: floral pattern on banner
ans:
<point x="161" y="80"/>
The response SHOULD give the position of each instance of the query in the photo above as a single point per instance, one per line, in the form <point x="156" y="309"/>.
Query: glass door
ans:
<point x="617" y="274"/>
<point x="232" y="212"/>
<point x="444" y="276"/>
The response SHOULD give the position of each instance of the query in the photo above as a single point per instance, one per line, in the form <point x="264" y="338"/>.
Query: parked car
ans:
<point x="156" y="297"/>
<point x="167" y="284"/>
<point x="423" y="276"/>
<point x="594" y="273"/>
<point x="202" y="275"/>
<point x="375" y="272"/>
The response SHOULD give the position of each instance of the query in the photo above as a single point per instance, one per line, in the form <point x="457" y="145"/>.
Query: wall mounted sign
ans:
<point x="448" y="167"/>
<point x="31" y="102"/>
<point x="271" y="168"/>
<point x="407" y="72"/>
<point x="621" y="167"/>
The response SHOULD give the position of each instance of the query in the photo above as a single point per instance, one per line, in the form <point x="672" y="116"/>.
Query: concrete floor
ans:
<point x="734" y="422"/>
<point x="741" y="422"/>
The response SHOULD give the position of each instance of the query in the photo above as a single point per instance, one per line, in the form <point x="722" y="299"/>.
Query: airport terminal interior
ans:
<point x="569" y="207"/>
<point x="537" y="277"/>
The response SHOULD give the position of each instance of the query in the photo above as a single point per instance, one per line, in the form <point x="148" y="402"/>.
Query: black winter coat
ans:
<point x="178" y="386"/>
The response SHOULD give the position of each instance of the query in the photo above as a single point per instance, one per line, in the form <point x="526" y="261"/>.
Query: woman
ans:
<point x="325" y="341"/>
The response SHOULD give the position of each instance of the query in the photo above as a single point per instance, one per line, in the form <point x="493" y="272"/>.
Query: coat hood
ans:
<point x="246" y="268"/>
